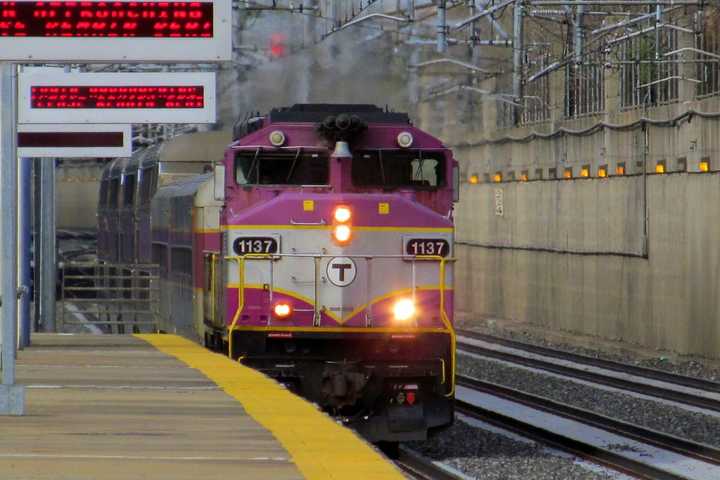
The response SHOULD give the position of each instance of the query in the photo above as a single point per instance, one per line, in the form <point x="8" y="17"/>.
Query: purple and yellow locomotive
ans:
<point x="320" y="252"/>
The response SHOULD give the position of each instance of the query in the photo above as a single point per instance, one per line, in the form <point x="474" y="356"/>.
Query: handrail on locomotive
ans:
<point x="272" y="257"/>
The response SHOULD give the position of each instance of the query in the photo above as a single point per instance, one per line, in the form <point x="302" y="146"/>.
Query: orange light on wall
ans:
<point x="585" y="171"/>
<point x="620" y="169"/>
<point x="567" y="173"/>
<point x="524" y="176"/>
<point x="474" y="179"/>
<point x="602" y="171"/>
<point x="497" y="178"/>
<point x="660" y="166"/>
<point x="704" y="166"/>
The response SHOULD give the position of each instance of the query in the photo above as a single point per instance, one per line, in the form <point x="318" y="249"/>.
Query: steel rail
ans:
<point x="421" y="468"/>
<point x="591" y="453"/>
<point x="595" y="377"/>
<point x="682" y="446"/>
<point x="651" y="373"/>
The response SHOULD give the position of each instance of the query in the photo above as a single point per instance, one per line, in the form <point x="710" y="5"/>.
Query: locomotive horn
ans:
<point x="343" y="127"/>
<point x="343" y="122"/>
<point x="328" y="124"/>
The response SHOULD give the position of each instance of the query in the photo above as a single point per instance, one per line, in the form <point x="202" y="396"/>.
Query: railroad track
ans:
<point x="655" y="383"/>
<point x="418" y="467"/>
<point x="614" y="456"/>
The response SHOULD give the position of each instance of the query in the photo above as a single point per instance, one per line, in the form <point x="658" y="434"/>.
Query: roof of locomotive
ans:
<point x="317" y="112"/>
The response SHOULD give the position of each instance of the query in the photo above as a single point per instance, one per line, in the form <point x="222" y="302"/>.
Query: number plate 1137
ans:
<point x="246" y="245"/>
<point x="427" y="246"/>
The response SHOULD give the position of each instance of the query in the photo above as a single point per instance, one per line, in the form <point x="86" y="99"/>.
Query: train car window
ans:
<point x="159" y="256"/>
<point x="398" y="168"/>
<point x="129" y="191"/>
<point x="147" y="185"/>
<point x="181" y="260"/>
<point x="281" y="167"/>
<point x="102" y="196"/>
<point x="113" y="193"/>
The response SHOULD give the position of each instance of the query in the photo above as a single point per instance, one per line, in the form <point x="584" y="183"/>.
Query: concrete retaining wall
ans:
<point x="668" y="300"/>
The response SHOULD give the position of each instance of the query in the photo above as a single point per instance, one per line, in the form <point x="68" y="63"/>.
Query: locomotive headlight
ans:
<point x="405" y="139"/>
<point x="342" y="233"/>
<point x="282" y="310"/>
<point x="342" y="214"/>
<point x="277" y="138"/>
<point x="404" y="310"/>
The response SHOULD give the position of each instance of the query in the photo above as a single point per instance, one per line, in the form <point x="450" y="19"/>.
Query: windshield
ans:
<point x="398" y="168"/>
<point x="281" y="167"/>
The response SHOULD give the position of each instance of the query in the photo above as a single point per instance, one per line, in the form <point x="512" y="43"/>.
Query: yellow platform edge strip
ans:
<point x="320" y="448"/>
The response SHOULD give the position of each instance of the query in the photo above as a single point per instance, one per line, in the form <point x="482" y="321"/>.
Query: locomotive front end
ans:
<point x="337" y="265"/>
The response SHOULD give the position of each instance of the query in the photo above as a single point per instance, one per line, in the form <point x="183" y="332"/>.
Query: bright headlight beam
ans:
<point x="342" y="233"/>
<point x="342" y="214"/>
<point x="404" y="309"/>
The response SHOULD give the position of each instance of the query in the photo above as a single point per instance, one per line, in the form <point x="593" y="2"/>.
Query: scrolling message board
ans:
<point x="122" y="31"/>
<point x="59" y="97"/>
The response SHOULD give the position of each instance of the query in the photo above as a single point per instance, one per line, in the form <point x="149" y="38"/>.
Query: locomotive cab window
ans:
<point x="398" y="169"/>
<point x="281" y="167"/>
<point x="102" y="196"/>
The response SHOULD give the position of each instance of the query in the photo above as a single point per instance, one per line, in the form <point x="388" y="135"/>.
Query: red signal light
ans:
<point x="278" y="48"/>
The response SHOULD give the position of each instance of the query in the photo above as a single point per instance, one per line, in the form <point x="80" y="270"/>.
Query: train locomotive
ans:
<point x="318" y="251"/>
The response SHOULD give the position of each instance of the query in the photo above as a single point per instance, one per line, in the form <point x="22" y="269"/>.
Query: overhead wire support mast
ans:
<point x="442" y="27"/>
<point x="517" y="73"/>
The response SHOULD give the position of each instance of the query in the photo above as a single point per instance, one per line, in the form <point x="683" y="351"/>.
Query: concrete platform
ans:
<point x="116" y="407"/>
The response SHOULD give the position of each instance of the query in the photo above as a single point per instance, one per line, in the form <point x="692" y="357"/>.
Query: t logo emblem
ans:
<point x="341" y="271"/>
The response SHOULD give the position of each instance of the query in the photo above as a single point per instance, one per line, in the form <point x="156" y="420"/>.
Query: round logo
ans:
<point x="341" y="271"/>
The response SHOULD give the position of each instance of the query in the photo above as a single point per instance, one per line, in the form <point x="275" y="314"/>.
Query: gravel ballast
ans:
<point x="487" y="455"/>
<point x="688" y="367"/>
<point x="629" y="408"/>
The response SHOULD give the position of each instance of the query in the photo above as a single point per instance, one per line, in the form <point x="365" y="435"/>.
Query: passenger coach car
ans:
<point x="319" y="251"/>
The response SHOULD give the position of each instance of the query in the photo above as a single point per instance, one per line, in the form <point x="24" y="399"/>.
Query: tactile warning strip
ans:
<point x="321" y="448"/>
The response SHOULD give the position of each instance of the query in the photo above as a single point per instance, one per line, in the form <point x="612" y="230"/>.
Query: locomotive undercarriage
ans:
<point x="387" y="387"/>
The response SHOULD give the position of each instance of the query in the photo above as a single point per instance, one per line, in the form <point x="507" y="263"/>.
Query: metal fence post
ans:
<point x="12" y="398"/>
<point x="46" y="246"/>
<point x="23" y="230"/>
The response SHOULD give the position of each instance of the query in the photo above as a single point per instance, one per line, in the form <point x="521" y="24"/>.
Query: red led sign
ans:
<point x="106" y="19"/>
<point x="52" y="97"/>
